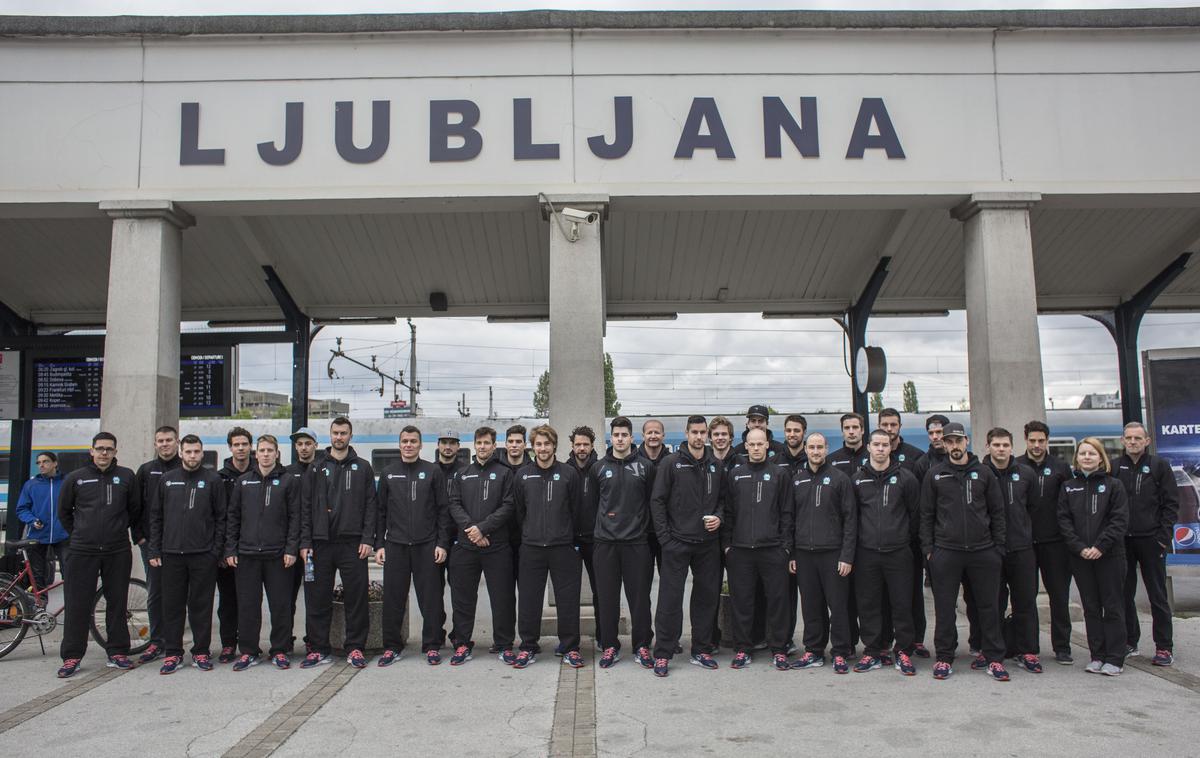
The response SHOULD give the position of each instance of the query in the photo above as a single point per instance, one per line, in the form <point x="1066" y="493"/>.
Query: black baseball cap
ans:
<point x="757" y="410"/>
<point x="953" y="429"/>
<point x="936" y="418"/>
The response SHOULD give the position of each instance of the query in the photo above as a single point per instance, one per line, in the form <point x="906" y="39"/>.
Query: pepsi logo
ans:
<point x="1185" y="536"/>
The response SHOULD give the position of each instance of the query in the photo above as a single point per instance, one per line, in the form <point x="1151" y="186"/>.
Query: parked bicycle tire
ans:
<point x="136" y="616"/>
<point x="16" y="607"/>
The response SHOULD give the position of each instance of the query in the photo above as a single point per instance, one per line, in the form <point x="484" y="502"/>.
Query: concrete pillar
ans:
<point x="1004" y="358"/>
<point x="576" y="320"/>
<point x="141" y="347"/>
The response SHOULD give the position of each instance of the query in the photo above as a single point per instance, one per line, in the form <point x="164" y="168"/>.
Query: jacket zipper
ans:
<point x="50" y="511"/>
<point x="812" y="521"/>
<point x="1137" y="487"/>
<point x="108" y="495"/>
<point x="191" y="498"/>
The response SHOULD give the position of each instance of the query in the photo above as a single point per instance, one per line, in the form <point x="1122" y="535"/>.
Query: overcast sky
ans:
<point x="712" y="363"/>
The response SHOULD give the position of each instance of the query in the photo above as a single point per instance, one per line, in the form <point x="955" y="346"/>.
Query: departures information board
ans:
<point x="66" y="383"/>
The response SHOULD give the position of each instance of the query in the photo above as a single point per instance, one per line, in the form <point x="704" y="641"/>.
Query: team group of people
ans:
<point x="837" y="543"/>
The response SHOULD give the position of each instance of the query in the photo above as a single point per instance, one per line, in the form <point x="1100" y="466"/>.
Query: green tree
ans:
<point x="541" y="396"/>
<point x="612" y="406"/>
<point x="876" y="402"/>
<point x="283" y="411"/>
<point x="243" y="413"/>
<point x="911" y="405"/>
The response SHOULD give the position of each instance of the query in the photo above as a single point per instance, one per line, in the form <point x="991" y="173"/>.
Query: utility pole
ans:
<point x="463" y="410"/>
<point x="413" y="385"/>
<point x="491" y="406"/>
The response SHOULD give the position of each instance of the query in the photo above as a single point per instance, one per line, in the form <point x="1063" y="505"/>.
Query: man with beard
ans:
<point x="304" y="443"/>
<point x="963" y="536"/>
<point x="240" y="443"/>
<point x="935" y="454"/>
<point x="451" y="463"/>
<point x="166" y="458"/>
<point x="905" y="454"/>
<point x="794" y="428"/>
<point x="758" y="417"/>
<point x="583" y="456"/>
<point x="516" y="455"/>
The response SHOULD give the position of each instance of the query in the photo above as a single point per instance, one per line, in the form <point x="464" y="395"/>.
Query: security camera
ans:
<point x="574" y="214"/>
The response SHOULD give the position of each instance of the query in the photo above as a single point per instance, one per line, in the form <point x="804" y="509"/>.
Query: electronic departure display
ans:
<point x="66" y="383"/>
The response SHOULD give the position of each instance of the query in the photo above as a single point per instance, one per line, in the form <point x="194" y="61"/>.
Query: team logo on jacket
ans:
<point x="825" y="480"/>
<point x="492" y="476"/>
<point x="1145" y="469"/>
<point x="607" y="474"/>
<point x="892" y="480"/>
<point x="354" y="467"/>
<point x="200" y="484"/>
<point x="1185" y="536"/>
<point x="275" y="482"/>
<point x="116" y="480"/>
<point x="1016" y="477"/>
<point x="900" y="457"/>
<point x="421" y="475"/>
<point x="1046" y="471"/>
<point x="712" y="469"/>
<point x="766" y="477"/>
<point x="557" y="477"/>
<point x="974" y="474"/>
<point x="1100" y="488"/>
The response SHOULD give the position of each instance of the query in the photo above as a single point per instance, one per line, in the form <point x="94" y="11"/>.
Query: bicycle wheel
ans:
<point x="14" y="612"/>
<point x="137" y="618"/>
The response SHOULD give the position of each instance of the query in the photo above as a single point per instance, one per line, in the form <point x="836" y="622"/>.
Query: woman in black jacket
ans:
<point x="1093" y="513"/>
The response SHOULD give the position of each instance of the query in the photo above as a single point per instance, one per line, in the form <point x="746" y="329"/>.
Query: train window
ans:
<point x="1062" y="448"/>
<point x="210" y="459"/>
<point x="70" y="460"/>
<point x="1112" y="446"/>
<point x="382" y="458"/>
<point x="4" y="467"/>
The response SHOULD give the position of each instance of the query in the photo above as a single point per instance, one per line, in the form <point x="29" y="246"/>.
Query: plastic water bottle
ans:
<point x="309" y="575"/>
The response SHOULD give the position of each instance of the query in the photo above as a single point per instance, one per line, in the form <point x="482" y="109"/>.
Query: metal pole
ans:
<point x="412" y="369"/>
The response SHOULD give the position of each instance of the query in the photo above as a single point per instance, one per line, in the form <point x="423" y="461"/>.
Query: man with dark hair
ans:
<point x="304" y="443"/>
<point x="624" y="482"/>
<point x="583" y="456"/>
<point x="852" y="455"/>
<point x="905" y="454"/>
<point x="262" y="543"/>
<point x="757" y="510"/>
<point x="1153" y="507"/>
<point x="887" y="495"/>
<point x="37" y="507"/>
<point x="412" y="541"/>
<point x="758" y="417"/>
<point x="337" y="528"/>
<point x="963" y="537"/>
<point x="935" y="454"/>
<point x="516" y="455"/>
<point x="824" y="540"/>
<point x="795" y="427"/>
<point x="101" y="507"/>
<point x="166" y="458"/>
<point x="187" y="537"/>
<point x="239" y="441"/>
<point x="686" y="509"/>
<point x="546" y="494"/>
<point x="481" y="507"/>
<point x="1050" y="551"/>
<point x="449" y="459"/>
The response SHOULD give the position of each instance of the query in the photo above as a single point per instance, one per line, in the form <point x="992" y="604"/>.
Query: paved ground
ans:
<point x="486" y="708"/>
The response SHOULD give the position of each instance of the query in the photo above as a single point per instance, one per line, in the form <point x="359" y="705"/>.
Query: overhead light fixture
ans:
<point x="642" y="316"/>
<point x="802" y="314"/>
<point x="356" y="321"/>
<point x="260" y="323"/>
<point x="438" y="302"/>
<point x="722" y="294"/>
<point x="531" y="318"/>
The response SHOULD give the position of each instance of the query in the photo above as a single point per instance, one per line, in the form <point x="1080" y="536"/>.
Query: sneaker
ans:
<point x="792" y="648"/>
<point x="495" y="650"/>
<point x="840" y="665"/>
<point x="867" y="663"/>
<point x="281" y="661"/>
<point x="1030" y="663"/>
<point x="741" y="660"/>
<point x="507" y="656"/>
<point x="1162" y="658"/>
<point x="1094" y="667"/>
<point x="462" y="654"/>
<point x="974" y="653"/>
<point x="202" y="662"/>
<point x="357" y="659"/>
<point x="315" y="659"/>
<point x="678" y="649"/>
<point x="781" y="662"/>
<point x="1063" y="658"/>
<point x="920" y="650"/>
<point x="573" y="659"/>
<point x="433" y="657"/>
<point x="809" y="661"/>
<point x="228" y="655"/>
<point x="644" y="657"/>
<point x="609" y="658"/>
<point x="1131" y="651"/>
<point x="558" y="650"/>
<point x="660" y="667"/>
<point x="169" y="664"/>
<point x="388" y="658"/>
<point x="760" y="645"/>
<point x="1110" y="670"/>
<point x="998" y="672"/>
<point x="704" y="660"/>
<point x="942" y="670"/>
<point x="905" y="665"/>
<point x="245" y="662"/>
<point x="69" y="667"/>
<point x="152" y="654"/>
<point x="885" y="659"/>
<point x="524" y="659"/>
<point x="119" y="662"/>
<point x="980" y="662"/>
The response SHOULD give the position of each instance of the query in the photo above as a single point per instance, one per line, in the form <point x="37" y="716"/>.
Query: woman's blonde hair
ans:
<point x="1095" y="443"/>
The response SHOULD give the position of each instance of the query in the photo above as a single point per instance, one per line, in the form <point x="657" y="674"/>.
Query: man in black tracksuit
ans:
<point x="187" y="538"/>
<point x="99" y="506"/>
<point x="515" y="455"/>
<point x="686" y="510"/>
<point x="795" y="427"/>
<point x="240" y="443"/>
<point x="935" y="454"/>
<point x="337" y="526"/>
<point x="757" y="509"/>
<point x="624" y="482"/>
<point x="484" y="518"/>
<point x="1153" y="507"/>
<point x="304" y="443"/>
<point x="1018" y="574"/>
<point x="262" y="543"/>
<point x="848" y="459"/>
<point x="963" y="536"/>
<point x="546" y="494"/>
<point x="583" y="456"/>
<point x="887" y="495"/>
<point x="412" y="540"/>
<point x="450" y="460"/>
<point x="166" y="458"/>
<point x="823" y="539"/>
<point x="1049" y="550"/>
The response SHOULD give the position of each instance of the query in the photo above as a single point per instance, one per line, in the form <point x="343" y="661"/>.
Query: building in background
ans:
<point x="276" y="405"/>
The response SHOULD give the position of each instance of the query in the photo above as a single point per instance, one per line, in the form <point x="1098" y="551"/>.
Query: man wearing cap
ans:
<point x="448" y="445"/>
<point x="963" y="537"/>
<point x="758" y="417"/>
<point x="304" y="446"/>
<point x="935" y="454"/>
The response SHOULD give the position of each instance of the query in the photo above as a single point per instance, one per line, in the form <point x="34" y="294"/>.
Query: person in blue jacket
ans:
<point x="38" y="509"/>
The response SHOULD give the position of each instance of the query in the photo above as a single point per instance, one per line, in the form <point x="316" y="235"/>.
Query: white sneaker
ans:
<point x="1111" y="670"/>
<point x="1094" y="667"/>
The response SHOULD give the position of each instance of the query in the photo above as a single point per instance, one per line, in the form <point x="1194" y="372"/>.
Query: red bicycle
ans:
<point x="23" y="608"/>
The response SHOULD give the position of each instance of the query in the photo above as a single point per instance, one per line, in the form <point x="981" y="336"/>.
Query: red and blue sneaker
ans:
<point x="741" y="660"/>
<point x="169" y="664"/>
<point x="152" y="654"/>
<point x="202" y="662"/>
<point x="69" y="667"/>
<point x="998" y="672"/>
<point x="644" y="657"/>
<point x="388" y="658"/>
<point x="433" y="657"/>
<point x="357" y="659"/>
<point x="119" y="662"/>
<point x="920" y="650"/>
<point x="980" y="662"/>
<point x="462" y="654"/>
<point x="840" y="665"/>
<point x="609" y="658"/>
<point x="704" y="660"/>
<point x="228" y="655"/>
<point x="281" y="661"/>
<point x="1162" y="658"/>
<point x="507" y="656"/>
<point x="942" y="670"/>
<point x="245" y="662"/>
<point x="905" y="665"/>
<point x="1030" y="663"/>
<point x="314" y="659"/>
<point x="660" y="666"/>
<point x="524" y="659"/>
<point x="867" y="663"/>
<point x="573" y="659"/>
<point x="885" y="659"/>
<point x="809" y="661"/>
<point x="781" y="662"/>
